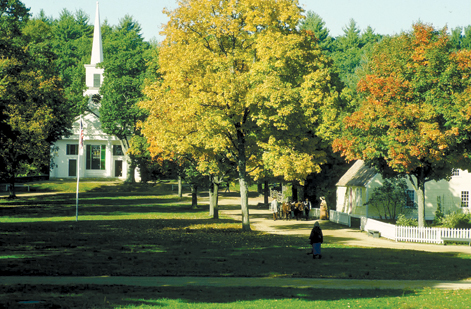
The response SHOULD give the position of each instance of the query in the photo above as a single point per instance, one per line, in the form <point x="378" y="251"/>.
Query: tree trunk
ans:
<point x="12" y="188"/>
<point x="211" y="195"/>
<point x="266" y="193"/>
<point x="194" y="196"/>
<point x="130" y="178"/>
<point x="259" y="188"/>
<point x="283" y="193"/>
<point x="213" y="198"/>
<point x="244" y="197"/>
<point x="244" y="203"/>
<point x="179" y="186"/>
<point x="131" y="171"/>
<point x="294" y="190"/>
<point x="419" y="187"/>
<point x="421" y="199"/>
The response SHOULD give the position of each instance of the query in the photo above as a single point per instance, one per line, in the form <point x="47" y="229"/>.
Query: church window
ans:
<point x="117" y="150"/>
<point x="96" y="157"/>
<point x="96" y="80"/>
<point x="72" y="149"/>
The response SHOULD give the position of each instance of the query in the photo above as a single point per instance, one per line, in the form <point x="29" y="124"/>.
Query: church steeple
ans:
<point x="97" y="48"/>
<point x="93" y="74"/>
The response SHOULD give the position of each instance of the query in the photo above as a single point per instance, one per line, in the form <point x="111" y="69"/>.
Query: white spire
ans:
<point x="97" y="48"/>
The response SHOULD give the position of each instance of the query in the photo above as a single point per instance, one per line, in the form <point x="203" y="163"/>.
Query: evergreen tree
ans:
<point x="313" y="22"/>
<point x="125" y="70"/>
<point x="72" y="43"/>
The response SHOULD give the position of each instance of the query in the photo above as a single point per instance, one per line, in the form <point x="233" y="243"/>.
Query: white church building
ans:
<point x="102" y="155"/>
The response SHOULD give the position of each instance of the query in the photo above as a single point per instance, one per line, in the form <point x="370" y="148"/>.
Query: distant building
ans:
<point x="103" y="156"/>
<point x="357" y="184"/>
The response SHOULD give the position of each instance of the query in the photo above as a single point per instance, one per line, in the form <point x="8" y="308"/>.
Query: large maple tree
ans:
<point x="239" y="80"/>
<point x="413" y="114"/>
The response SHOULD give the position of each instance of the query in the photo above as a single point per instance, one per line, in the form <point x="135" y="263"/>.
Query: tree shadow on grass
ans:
<point x="198" y="247"/>
<point x="90" y="204"/>
<point x="87" y="296"/>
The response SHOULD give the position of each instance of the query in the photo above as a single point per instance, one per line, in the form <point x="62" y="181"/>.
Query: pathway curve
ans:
<point x="261" y="219"/>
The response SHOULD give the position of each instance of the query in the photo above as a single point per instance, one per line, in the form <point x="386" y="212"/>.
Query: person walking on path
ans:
<point x="274" y="208"/>
<point x="316" y="240"/>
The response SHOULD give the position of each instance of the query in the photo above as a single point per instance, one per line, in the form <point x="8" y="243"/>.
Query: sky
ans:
<point x="384" y="16"/>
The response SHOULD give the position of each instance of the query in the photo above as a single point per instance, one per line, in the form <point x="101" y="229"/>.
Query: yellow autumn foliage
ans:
<point x="239" y="79"/>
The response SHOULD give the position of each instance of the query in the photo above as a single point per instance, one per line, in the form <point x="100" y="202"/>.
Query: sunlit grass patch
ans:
<point x="201" y="297"/>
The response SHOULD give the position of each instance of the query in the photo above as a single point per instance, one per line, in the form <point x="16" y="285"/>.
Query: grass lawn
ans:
<point x="146" y="230"/>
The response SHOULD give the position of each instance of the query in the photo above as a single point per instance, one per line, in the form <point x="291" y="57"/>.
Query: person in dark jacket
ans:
<point x="316" y="238"/>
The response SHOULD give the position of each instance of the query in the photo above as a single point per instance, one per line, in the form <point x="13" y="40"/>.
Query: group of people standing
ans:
<point x="275" y="208"/>
<point x="316" y="237"/>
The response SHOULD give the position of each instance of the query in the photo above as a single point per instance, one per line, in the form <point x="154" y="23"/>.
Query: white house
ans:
<point x="355" y="187"/>
<point x="102" y="156"/>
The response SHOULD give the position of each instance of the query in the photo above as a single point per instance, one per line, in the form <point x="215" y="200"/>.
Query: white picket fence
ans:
<point x="340" y="218"/>
<point x="419" y="234"/>
<point x="315" y="213"/>
<point x="403" y="233"/>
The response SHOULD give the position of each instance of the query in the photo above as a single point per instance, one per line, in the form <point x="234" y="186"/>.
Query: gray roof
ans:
<point x="357" y="176"/>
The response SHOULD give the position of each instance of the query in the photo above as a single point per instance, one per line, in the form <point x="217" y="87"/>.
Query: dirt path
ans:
<point x="261" y="219"/>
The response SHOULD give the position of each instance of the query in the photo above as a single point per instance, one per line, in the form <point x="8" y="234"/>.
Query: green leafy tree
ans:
<point x="390" y="199"/>
<point x="239" y="80"/>
<point x="313" y="22"/>
<point x="125" y="68"/>
<point x="33" y="110"/>
<point x="323" y="184"/>
<point x="413" y="117"/>
<point x="71" y="42"/>
<point x="350" y="50"/>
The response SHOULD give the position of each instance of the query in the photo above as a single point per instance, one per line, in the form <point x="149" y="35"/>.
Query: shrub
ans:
<point x="402" y="220"/>
<point x="390" y="199"/>
<point x="438" y="213"/>
<point x="456" y="220"/>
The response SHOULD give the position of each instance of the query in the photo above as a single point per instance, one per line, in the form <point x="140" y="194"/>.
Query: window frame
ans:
<point x="464" y="199"/>
<point x="92" y="158"/>
<point x="96" y="80"/>
<point x="410" y="199"/>
<point x="72" y="149"/>
<point x="117" y="153"/>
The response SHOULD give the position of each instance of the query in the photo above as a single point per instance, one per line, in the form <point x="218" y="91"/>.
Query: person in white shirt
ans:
<point x="274" y="208"/>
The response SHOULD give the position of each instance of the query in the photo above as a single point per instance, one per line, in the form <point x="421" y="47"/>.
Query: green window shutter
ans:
<point x="103" y="156"/>
<point x="72" y="149"/>
<point x="89" y="156"/>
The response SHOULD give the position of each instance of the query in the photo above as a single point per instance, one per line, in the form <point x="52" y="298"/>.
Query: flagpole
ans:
<point x="77" y="194"/>
<point x="78" y="168"/>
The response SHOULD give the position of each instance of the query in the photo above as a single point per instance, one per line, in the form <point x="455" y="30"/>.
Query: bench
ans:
<point x="445" y="239"/>
<point x="373" y="233"/>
